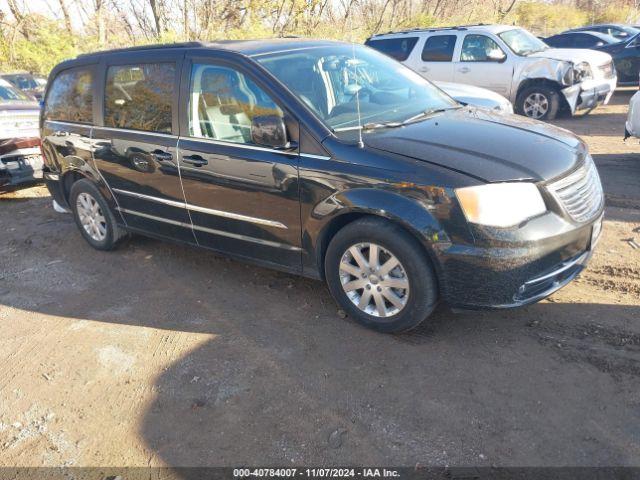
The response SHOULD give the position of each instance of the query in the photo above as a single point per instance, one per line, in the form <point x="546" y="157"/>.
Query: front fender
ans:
<point x="415" y="214"/>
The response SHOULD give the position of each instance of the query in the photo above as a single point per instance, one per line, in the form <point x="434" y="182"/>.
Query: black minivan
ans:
<point x="325" y="159"/>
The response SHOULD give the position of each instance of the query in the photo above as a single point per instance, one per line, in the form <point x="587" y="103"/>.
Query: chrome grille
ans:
<point x="580" y="192"/>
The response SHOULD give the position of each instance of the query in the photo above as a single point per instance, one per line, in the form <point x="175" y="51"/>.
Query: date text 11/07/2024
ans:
<point x="317" y="472"/>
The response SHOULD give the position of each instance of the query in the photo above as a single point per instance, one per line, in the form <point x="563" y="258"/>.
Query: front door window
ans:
<point x="224" y="102"/>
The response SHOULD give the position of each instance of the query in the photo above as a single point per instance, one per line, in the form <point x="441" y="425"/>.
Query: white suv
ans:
<point x="509" y="60"/>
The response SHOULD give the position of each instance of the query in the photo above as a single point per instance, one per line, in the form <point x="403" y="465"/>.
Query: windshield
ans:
<point x="23" y="82"/>
<point x="342" y="81"/>
<point x="10" y="94"/>
<point x="521" y="42"/>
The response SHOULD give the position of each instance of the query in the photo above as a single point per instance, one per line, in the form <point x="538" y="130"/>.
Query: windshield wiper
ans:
<point x="427" y="113"/>
<point x="376" y="125"/>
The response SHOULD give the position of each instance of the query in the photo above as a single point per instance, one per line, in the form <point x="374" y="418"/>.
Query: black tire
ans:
<point x="114" y="233"/>
<point x="552" y="100"/>
<point x="422" y="294"/>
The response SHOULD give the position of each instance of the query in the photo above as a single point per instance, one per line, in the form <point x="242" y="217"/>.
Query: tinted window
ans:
<point x="398" y="48"/>
<point x="439" y="48"/>
<point x="559" y="41"/>
<point x="583" y="40"/>
<point x="223" y="103"/>
<point x="478" y="48"/>
<point x="139" y="97"/>
<point x="70" y="97"/>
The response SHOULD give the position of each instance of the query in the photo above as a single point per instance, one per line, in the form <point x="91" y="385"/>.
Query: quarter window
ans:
<point x="439" y="48"/>
<point x="139" y="97"/>
<point x="70" y="98"/>
<point x="223" y="103"/>
<point x="479" y="48"/>
<point x="398" y="48"/>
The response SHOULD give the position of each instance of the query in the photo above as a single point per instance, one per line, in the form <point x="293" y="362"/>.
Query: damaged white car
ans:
<point x="632" y="127"/>
<point x="539" y="80"/>
<point x="20" y="156"/>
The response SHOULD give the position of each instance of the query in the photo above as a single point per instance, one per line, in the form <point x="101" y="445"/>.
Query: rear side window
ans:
<point x="140" y="97"/>
<point x="70" y="98"/>
<point x="439" y="48"/>
<point x="398" y="48"/>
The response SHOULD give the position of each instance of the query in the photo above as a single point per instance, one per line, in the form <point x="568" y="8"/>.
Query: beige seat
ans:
<point x="225" y="107"/>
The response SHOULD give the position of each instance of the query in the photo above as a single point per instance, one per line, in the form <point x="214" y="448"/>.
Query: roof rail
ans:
<point x="145" y="47"/>
<point x="431" y="29"/>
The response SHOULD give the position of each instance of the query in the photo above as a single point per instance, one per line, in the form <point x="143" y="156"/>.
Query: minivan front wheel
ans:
<point x="93" y="216"/>
<point x="380" y="275"/>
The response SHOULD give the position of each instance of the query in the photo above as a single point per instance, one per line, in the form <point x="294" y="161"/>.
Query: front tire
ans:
<point x="380" y="275"/>
<point x="93" y="216"/>
<point x="538" y="102"/>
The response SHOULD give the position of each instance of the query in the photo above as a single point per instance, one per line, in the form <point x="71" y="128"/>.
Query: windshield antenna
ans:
<point x="355" y="77"/>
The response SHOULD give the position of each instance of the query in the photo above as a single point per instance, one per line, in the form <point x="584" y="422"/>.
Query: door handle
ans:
<point x="161" y="156"/>
<point x="464" y="69"/>
<point x="60" y="133"/>
<point x="195" y="160"/>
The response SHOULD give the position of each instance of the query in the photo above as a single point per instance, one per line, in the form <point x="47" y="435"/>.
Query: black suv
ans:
<point x="325" y="159"/>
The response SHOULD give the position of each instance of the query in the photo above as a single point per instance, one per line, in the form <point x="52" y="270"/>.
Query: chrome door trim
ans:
<point x="238" y="145"/>
<point x="209" y="211"/>
<point x="70" y="124"/>
<point x="211" y="230"/>
<point x="137" y="132"/>
<point x="317" y="157"/>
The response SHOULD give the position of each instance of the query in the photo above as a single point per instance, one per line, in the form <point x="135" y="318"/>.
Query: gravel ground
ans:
<point x="158" y="354"/>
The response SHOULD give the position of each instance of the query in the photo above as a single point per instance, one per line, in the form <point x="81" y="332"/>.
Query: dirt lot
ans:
<point x="159" y="354"/>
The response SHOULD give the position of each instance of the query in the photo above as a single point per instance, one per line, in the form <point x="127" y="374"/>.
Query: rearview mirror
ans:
<point x="269" y="131"/>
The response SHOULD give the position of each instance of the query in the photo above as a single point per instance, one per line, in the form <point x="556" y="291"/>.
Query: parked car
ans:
<point x="325" y="159"/>
<point x="510" y="61"/>
<point x="625" y="52"/>
<point x="20" y="157"/>
<point x="617" y="30"/>
<point x="476" y="96"/>
<point x="632" y="126"/>
<point x="28" y="83"/>
<point x="581" y="39"/>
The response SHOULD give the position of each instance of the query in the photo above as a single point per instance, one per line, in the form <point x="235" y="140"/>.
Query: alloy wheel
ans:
<point x="91" y="217"/>
<point x="374" y="280"/>
<point x="536" y="105"/>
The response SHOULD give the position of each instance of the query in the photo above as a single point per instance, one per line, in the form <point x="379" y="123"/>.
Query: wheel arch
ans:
<point x="405" y="212"/>
<point x="545" y="82"/>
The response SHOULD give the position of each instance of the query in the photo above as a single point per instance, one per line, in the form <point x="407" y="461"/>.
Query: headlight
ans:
<point x="505" y="107"/>
<point x="581" y="72"/>
<point x="501" y="204"/>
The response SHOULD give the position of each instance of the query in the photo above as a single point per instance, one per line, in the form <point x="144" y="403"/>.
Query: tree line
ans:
<point x="35" y="40"/>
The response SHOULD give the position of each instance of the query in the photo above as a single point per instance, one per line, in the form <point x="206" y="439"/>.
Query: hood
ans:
<point x="486" y="145"/>
<point x="575" y="55"/>
<point x="614" y="48"/>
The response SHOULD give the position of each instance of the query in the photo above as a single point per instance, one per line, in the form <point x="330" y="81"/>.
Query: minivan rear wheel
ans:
<point x="93" y="216"/>
<point x="380" y="275"/>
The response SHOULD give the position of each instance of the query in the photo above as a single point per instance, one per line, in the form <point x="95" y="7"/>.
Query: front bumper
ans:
<point x="517" y="272"/>
<point x="20" y="166"/>
<point x="589" y="94"/>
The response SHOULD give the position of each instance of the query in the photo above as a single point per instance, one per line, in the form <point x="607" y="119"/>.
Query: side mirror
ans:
<point x="496" y="56"/>
<point x="269" y="131"/>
